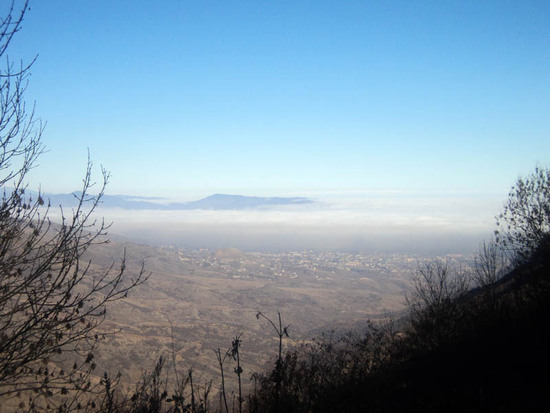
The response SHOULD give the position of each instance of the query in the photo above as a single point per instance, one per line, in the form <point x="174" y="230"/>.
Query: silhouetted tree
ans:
<point x="52" y="302"/>
<point x="525" y="220"/>
<point x="433" y="304"/>
<point x="489" y="264"/>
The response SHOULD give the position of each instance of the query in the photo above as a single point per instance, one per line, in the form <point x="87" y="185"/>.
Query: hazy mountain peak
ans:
<point x="226" y="201"/>
<point x="213" y="202"/>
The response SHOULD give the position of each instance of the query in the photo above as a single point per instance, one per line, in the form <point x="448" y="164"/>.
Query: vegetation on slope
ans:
<point x="477" y="352"/>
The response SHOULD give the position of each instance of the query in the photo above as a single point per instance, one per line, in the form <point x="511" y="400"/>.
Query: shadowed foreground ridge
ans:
<point x="493" y="356"/>
<point x="497" y="358"/>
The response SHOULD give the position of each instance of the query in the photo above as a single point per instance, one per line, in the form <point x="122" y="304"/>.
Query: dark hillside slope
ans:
<point x="494" y="358"/>
<point x="499" y="361"/>
<point x="501" y="368"/>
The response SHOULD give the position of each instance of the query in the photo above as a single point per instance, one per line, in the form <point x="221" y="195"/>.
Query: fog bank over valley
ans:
<point x="392" y="222"/>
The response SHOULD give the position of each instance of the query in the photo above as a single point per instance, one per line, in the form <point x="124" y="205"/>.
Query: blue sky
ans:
<point x="184" y="99"/>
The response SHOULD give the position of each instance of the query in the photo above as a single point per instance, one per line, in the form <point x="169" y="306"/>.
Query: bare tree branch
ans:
<point x="52" y="301"/>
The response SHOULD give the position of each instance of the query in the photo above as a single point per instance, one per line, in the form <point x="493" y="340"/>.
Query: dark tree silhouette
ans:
<point x="433" y="303"/>
<point x="52" y="302"/>
<point x="525" y="221"/>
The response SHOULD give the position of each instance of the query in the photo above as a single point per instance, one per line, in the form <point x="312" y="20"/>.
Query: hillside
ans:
<point x="488" y="359"/>
<point x="495" y="361"/>
<point x="490" y="353"/>
<point x="203" y="298"/>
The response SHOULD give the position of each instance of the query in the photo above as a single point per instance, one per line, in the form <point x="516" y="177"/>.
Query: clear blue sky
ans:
<point x="187" y="98"/>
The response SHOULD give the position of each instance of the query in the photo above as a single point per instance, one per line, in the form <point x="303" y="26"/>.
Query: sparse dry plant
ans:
<point x="281" y="332"/>
<point x="221" y="361"/>
<point x="235" y="353"/>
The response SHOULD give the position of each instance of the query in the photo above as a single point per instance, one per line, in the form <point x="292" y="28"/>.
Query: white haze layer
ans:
<point x="432" y="224"/>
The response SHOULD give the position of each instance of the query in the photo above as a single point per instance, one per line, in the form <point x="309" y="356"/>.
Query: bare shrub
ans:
<point x="52" y="302"/>
<point x="434" y="304"/>
<point x="489" y="265"/>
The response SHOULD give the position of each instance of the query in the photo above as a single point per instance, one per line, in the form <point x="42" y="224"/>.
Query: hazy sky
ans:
<point x="188" y="98"/>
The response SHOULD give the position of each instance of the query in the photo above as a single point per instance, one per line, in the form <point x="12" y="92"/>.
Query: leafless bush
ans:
<point x="52" y="302"/>
<point x="434" y="304"/>
<point x="489" y="264"/>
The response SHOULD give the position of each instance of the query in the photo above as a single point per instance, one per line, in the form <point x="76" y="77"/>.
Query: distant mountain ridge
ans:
<point x="223" y="201"/>
<point x="212" y="202"/>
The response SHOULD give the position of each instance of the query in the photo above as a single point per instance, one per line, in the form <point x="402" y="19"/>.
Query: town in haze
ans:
<point x="340" y="267"/>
